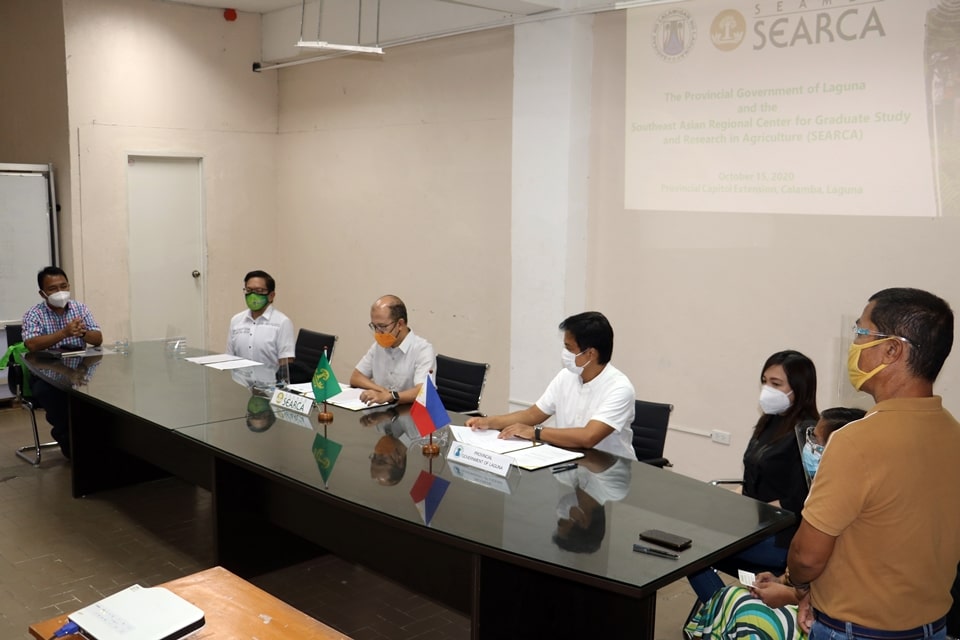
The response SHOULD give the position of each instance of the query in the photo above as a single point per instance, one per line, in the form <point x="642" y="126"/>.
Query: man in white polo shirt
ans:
<point x="592" y="400"/>
<point x="261" y="333"/>
<point x="398" y="361"/>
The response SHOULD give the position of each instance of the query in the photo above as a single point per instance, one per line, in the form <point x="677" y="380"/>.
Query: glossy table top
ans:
<point x="156" y="383"/>
<point x="584" y="520"/>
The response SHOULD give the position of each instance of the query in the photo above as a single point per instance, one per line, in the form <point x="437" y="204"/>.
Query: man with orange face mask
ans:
<point x="878" y="546"/>
<point x="397" y="362"/>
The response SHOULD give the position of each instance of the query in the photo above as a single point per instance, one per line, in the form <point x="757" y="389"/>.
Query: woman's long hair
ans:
<point x="802" y="378"/>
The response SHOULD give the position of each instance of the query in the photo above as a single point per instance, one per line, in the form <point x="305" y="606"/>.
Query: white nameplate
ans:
<point x="294" y="418"/>
<point x="480" y="458"/>
<point x="291" y="401"/>
<point x="482" y="478"/>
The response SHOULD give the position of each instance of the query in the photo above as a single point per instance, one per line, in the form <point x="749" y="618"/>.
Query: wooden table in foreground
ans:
<point x="233" y="608"/>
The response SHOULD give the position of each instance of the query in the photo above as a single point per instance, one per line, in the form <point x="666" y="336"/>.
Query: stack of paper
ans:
<point x="525" y="454"/>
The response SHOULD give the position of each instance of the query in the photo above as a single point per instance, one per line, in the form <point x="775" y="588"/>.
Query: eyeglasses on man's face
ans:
<point x="860" y="331"/>
<point x="260" y="292"/>
<point x="383" y="328"/>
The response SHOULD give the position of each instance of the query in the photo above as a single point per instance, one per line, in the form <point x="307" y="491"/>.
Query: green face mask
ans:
<point x="257" y="405"/>
<point x="256" y="301"/>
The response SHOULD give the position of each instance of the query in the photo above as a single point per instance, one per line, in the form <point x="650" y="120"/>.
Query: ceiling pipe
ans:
<point x="549" y="14"/>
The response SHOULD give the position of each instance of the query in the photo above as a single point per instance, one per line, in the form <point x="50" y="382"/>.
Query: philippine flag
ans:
<point x="427" y="410"/>
<point x="427" y="492"/>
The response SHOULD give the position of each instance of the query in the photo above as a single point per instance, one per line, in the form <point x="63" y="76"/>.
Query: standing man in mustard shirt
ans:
<point x="877" y="549"/>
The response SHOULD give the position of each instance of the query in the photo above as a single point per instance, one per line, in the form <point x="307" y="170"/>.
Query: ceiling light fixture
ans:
<point x="323" y="45"/>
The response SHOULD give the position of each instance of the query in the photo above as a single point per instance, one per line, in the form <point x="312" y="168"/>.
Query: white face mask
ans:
<point x="569" y="361"/>
<point x="59" y="299"/>
<point x="773" y="401"/>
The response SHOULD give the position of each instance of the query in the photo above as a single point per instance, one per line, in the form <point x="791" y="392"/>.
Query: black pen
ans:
<point x="639" y="548"/>
<point x="564" y="467"/>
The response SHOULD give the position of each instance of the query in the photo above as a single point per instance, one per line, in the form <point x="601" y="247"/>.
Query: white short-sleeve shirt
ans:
<point x="265" y="340"/>
<point x="402" y="367"/>
<point x="608" y="398"/>
<point x="609" y="485"/>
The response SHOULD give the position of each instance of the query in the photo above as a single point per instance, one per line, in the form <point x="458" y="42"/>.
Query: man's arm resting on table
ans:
<point x="361" y="381"/>
<point x="39" y="343"/>
<point x="809" y="552"/>
<point x="522" y="424"/>
<point x="73" y="329"/>
<point x="375" y="394"/>
<point x="530" y="416"/>
<point x="574" y="437"/>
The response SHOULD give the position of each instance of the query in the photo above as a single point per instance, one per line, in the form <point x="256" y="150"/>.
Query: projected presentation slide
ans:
<point x="794" y="106"/>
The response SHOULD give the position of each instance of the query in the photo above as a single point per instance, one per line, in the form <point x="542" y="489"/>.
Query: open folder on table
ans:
<point x="525" y="454"/>
<point x="348" y="398"/>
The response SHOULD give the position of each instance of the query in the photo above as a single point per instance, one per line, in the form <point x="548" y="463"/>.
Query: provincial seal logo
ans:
<point x="674" y="34"/>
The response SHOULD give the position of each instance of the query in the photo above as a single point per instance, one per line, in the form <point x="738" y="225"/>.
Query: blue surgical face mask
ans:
<point x="811" y="459"/>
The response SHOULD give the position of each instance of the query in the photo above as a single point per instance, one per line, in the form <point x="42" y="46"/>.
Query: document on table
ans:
<point x="234" y="364"/>
<point x="217" y="357"/>
<point x="488" y="439"/>
<point x="542" y="455"/>
<point x="303" y="388"/>
<point x="348" y="398"/>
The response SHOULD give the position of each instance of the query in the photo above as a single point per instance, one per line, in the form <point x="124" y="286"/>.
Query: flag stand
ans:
<point x="324" y="417"/>
<point x="431" y="449"/>
<point x="322" y="377"/>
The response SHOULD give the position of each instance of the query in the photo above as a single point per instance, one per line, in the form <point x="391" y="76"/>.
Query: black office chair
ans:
<point x="650" y="432"/>
<point x="309" y="348"/>
<point x="31" y="453"/>
<point x="460" y="383"/>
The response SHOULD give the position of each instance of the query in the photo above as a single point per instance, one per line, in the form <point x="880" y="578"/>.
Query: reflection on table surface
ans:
<point x="154" y="382"/>
<point x="585" y="519"/>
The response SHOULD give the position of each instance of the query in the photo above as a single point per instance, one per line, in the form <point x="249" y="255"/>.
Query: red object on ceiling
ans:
<point x="229" y="15"/>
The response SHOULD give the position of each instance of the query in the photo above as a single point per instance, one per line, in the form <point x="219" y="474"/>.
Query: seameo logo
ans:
<point x="674" y="35"/>
<point x="728" y="30"/>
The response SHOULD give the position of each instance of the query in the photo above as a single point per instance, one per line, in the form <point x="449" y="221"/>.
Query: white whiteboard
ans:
<point x="26" y="238"/>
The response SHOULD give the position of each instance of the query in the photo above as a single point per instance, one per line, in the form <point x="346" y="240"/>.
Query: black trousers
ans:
<point x="54" y="403"/>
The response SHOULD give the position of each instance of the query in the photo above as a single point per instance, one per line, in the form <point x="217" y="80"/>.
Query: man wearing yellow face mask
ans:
<point x="397" y="362"/>
<point x="261" y="333"/>
<point x="878" y="546"/>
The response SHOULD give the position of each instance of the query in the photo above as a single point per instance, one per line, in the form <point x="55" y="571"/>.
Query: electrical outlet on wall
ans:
<point x="720" y="437"/>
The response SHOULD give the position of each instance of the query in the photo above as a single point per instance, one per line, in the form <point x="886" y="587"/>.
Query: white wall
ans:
<point x="33" y="111"/>
<point x="552" y="63"/>
<point x="394" y="177"/>
<point x="700" y="300"/>
<point x="160" y="78"/>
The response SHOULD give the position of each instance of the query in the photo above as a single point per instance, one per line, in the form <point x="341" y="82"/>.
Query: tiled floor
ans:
<point x="58" y="554"/>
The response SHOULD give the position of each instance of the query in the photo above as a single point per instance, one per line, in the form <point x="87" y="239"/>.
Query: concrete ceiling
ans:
<point x="518" y="7"/>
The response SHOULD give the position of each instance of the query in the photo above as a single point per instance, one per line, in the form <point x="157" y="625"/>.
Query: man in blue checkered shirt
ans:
<point x="57" y="323"/>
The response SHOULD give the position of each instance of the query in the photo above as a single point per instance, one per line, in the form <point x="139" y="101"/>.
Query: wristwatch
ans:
<point x="536" y="433"/>
<point x="802" y="586"/>
<point x="395" y="395"/>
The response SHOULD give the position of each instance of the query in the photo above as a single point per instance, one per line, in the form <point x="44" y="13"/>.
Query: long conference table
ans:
<point x="286" y="489"/>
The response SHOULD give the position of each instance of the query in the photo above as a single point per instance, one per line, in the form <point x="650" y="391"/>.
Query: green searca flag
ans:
<point x="325" y="384"/>
<point x="325" y="453"/>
